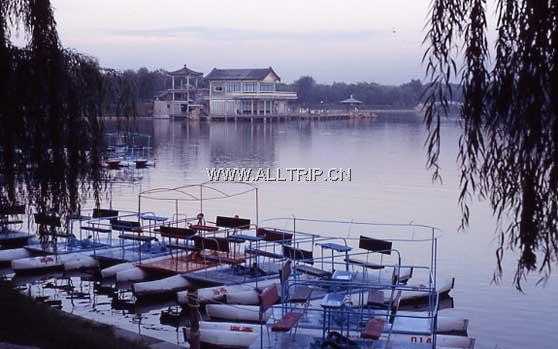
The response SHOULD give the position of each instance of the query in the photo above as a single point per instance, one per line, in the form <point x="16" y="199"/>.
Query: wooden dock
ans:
<point x="313" y="115"/>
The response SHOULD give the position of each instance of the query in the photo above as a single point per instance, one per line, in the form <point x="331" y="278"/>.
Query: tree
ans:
<point x="304" y="89"/>
<point x="508" y="153"/>
<point x="51" y="99"/>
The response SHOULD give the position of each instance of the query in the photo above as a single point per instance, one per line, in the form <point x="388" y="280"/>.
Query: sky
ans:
<point x="341" y="40"/>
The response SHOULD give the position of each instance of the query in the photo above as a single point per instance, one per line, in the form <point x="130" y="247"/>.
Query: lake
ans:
<point x="389" y="183"/>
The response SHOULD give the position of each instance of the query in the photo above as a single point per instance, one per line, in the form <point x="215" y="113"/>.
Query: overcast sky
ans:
<point x="340" y="40"/>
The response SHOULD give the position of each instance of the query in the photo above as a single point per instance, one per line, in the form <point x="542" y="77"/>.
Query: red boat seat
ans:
<point x="287" y="322"/>
<point x="373" y="329"/>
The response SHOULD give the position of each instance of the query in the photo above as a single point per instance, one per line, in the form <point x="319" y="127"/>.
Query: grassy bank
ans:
<point x="23" y="321"/>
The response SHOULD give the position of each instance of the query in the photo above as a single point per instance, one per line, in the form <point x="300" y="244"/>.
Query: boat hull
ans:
<point x="7" y="256"/>
<point x="226" y="335"/>
<point x="162" y="287"/>
<point x="66" y="262"/>
<point x="247" y="313"/>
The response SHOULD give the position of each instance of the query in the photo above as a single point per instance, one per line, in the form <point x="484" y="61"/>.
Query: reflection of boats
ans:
<point x="113" y="163"/>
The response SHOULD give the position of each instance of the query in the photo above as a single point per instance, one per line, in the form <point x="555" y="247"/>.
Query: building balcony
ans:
<point x="275" y="95"/>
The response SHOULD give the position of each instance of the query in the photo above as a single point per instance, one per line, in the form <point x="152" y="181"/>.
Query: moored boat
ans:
<point x="236" y="312"/>
<point x="166" y="286"/>
<point x="7" y="256"/>
<point x="411" y="297"/>
<point x="114" y="269"/>
<point x="67" y="262"/>
<point x="222" y="334"/>
<point x="246" y="294"/>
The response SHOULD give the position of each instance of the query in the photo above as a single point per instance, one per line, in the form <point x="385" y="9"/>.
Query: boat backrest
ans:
<point x="10" y="210"/>
<point x="176" y="232"/>
<point x="375" y="245"/>
<point x="121" y="225"/>
<point x="47" y="219"/>
<point x="232" y="222"/>
<point x="298" y="254"/>
<point x="268" y="298"/>
<point x="104" y="213"/>
<point x="274" y="235"/>
<point x="211" y="243"/>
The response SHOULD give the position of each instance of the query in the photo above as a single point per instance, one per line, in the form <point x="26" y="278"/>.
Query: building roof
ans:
<point x="351" y="100"/>
<point x="240" y="74"/>
<point x="186" y="71"/>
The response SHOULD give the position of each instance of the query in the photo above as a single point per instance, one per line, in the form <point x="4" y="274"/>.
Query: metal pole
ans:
<point x="139" y="207"/>
<point x="193" y="308"/>
<point x="257" y="209"/>
<point x="201" y="198"/>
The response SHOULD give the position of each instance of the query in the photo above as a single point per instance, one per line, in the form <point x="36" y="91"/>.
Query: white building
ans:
<point x="250" y="92"/>
<point x="183" y="98"/>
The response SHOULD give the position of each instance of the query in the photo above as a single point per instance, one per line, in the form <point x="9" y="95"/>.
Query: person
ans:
<point x="43" y="234"/>
<point x="201" y="220"/>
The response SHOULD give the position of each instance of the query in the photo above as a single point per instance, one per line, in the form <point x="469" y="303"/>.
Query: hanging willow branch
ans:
<point x="508" y="152"/>
<point x="51" y="100"/>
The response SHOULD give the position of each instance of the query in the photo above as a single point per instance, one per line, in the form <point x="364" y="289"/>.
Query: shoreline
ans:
<point x="30" y="323"/>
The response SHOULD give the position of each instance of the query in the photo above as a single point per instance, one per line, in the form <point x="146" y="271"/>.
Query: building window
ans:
<point x="218" y="88"/>
<point x="267" y="87"/>
<point x="249" y="87"/>
<point x="233" y="86"/>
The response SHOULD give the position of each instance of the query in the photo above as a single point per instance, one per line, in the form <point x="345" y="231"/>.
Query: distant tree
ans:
<point x="508" y="153"/>
<point x="304" y="88"/>
<point x="311" y="93"/>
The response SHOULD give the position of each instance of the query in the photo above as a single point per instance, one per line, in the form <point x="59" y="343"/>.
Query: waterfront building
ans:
<point x="185" y="98"/>
<point x="247" y="92"/>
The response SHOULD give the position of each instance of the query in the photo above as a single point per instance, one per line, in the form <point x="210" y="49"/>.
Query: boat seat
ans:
<point x="300" y="294"/>
<point x="97" y="230"/>
<point x="373" y="329"/>
<point x="335" y="247"/>
<point x="182" y="247"/>
<point x="136" y="237"/>
<point x="364" y="263"/>
<point x="261" y="253"/>
<point x="223" y="259"/>
<point x="376" y="299"/>
<point x="287" y="322"/>
<point x="208" y="228"/>
<point x="306" y="269"/>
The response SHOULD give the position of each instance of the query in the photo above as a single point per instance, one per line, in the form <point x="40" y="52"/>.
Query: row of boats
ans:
<point x="246" y="284"/>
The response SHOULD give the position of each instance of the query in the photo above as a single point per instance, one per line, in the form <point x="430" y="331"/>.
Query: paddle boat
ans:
<point x="10" y="216"/>
<point x="72" y="253"/>
<point x="223" y="334"/>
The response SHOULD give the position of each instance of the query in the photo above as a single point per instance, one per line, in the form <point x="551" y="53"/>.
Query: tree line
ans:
<point x="310" y="93"/>
<point x="142" y="85"/>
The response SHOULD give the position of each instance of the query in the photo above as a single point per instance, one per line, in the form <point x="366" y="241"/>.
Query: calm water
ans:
<point x="389" y="184"/>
